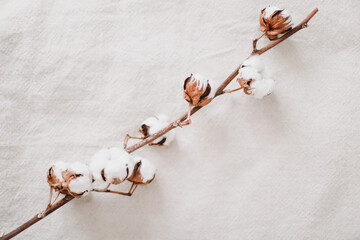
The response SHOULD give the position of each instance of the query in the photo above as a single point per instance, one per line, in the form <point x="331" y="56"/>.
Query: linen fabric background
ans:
<point x="76" y="76"/>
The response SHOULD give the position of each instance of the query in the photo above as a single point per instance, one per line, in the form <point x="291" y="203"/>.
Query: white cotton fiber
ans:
<point x="116" y="169"/>
<point x="152" y="122"/>
<point x="270" y="83"/>
<point x="255" y="62"/>
<point x="162" y="118"/>
<point x="270" y="10"/>
<point x="266" y="72"/>
<point x="120" y="166"/>
<point x="82" y="183"/>
<point x="58" y="168"/>
<point x="98" y="162"/>
<point x="80" y="168"/>
<point x="262" y="88"/>
<point x="158" y="123"/>
<point x="258" y="64"/>
<point x="249" y="73"/>
<point x="201" y="81"/>
<point x="147" y="169"/>
<point x="170" y="136"/>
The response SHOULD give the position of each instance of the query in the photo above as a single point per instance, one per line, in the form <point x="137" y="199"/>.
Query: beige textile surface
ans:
<point x="76" y="76"/>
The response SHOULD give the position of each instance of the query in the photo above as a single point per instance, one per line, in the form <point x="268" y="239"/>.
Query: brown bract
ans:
<point x="274" y="25"/>
<point x="136" y="176"/>
<point x="144" y="130"/>
<point x="196" y="96"/>
<point x="115" y="181"/>
<point x="245" y="84"/>
<point x="62" y="186"/>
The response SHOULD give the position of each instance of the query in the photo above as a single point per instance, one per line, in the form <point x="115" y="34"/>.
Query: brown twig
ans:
<point x="38" y="217"/>
<point x="219" y="91"/>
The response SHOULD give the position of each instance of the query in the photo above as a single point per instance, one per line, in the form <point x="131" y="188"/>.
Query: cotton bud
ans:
<point x="153" y="125"/>
<point x="198" y="90"/>
<point x="119" y="167"/>
<point x="71" y="179"/>
<point x="274" y="22"/>
<point x="262" y="88"/>
<point x="144" y="171"/>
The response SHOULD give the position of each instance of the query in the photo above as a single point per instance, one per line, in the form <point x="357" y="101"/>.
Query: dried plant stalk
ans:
<point x="219" y="91"/>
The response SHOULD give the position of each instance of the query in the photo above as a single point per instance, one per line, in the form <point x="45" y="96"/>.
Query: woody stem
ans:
<point x="255" y="42"/>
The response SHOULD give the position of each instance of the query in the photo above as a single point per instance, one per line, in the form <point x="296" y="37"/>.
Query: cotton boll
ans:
<point x="150" y="122"/>
<point x="262" y="88"/>
<point x="255" y="62"/>
<point x="147" y="170"/>
<point x="75" y="179"/>
<point x="98" y="163"/>
<point x="170" y="136"/>
<point x="274" y="22"/>
<point x="201" y="81"/>
<point x="249" y="73"/>
<point x="80" y="168"/>
<point x="270" y="83"/>
<point x="152" y="125"/>
<point x="162" y="118"/>
<point x="270" y="10"/>
<point x="165" y="139"/>
<point x="120" y="154"/>
<point x="116" y="172"/>
<point x="58" y="168"/>
<point x="119" y="167"/>
<point x="259" y="89"/>
<point x="266" y="73"/>
<point x="198" y="90"/>
<point x="81" y="184"/>
<point x="144" y="171"/>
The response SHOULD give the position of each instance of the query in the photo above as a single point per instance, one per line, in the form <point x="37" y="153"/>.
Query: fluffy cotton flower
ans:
<point x="144" y="171"/>
<point x="120" y="166"/>
<point x="58" y="168"/>
<point x="254" y="61"/>
<point x="198" y="90"/>
<point x="98" y="162"/>
<point x="262" y="88"/>
<point x="153" y="125"/>
<point x="83" y="182"/>
<point x="258" y="64"/>
<point x="255" y="77"/>
<point x="249" y="73"/>
<point x="274" y="22"/>
<point x="72" y="179"/>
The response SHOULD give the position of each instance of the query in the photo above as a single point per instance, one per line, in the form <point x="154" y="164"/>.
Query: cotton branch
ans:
<point x="219" y="91"/>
